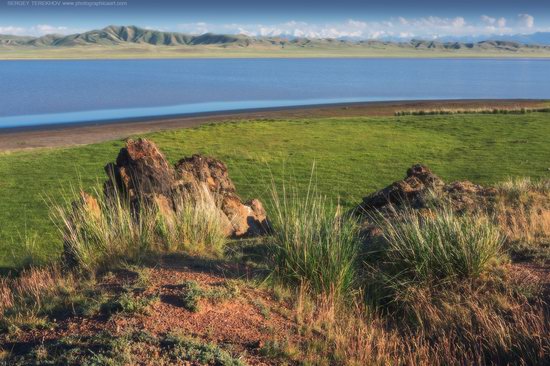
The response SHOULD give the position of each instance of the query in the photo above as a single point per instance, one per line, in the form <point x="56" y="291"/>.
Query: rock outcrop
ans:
<point x="420" y="186"/>
<point x="143" y="175"/>
<point x="247" y="219"/>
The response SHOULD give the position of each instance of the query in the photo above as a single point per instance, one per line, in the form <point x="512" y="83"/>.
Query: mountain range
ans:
<point x="127" y="35"/>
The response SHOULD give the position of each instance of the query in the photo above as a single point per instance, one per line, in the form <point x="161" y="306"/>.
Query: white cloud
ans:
<point x="37" y="30"/>
<point x="430" y="27"/>
<point x="493" y="24"/>
<point x="488" y="20"/>
<point x="526" y="20"/>
<point x="402" y="21"/>
<point x="43" y="29"/>
<point x="11" y="30"/>
<point x="458" y="22"/>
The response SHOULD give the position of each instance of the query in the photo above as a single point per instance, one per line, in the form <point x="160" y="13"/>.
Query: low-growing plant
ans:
<point x="280" y="350"/>
<point x="192" y="293"/>
<point x="128" y="303"/>
<point x="262" y="308"/>
<point x="185" y="349"/>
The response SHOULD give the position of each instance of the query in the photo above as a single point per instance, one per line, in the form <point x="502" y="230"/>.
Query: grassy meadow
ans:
<point x="353" y="157"/>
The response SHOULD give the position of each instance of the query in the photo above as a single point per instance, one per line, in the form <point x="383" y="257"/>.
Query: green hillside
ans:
<point x="135" y="42"/>
<point x="354" y="156"/>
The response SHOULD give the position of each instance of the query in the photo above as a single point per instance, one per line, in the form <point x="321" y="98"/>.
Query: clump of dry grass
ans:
<point x="197" y="226"/>
<point x="522" y="211"/>
<point x="447" y="111"/>
<point x="27" y="300"/>
<point x="114" y="232"/>
<point x="454" y="327"/>
<point x="436" y="291"/>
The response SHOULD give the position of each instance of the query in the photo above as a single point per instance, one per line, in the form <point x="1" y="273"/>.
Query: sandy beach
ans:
<point x="70" y="135"/>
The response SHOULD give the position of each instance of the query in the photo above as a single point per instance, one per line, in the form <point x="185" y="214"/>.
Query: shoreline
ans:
<point x="544" y="57"/>
<point x="95" y="54"/>
<point x="64" y="135"/>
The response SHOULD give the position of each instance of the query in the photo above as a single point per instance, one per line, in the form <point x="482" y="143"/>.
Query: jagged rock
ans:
<point x="246" y="219"/>
<point x="412" y="189"/>
<point x="204" y="169"/>
<point x="143" y="174"/>
<point x="421" y="185"/>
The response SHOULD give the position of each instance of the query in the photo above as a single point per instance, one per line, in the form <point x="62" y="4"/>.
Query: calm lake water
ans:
<point x="49" y="92"/>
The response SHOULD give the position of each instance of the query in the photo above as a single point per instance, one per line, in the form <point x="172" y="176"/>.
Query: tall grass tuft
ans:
<point x="197" y="226"/>
<point x="437" y="247"/>
<point x="97" y="238"/>
<point x="313" y="243"/>
<point x="114" y="232"/>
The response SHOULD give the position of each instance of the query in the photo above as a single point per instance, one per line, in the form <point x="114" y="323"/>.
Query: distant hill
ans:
<point x="539" y="38"/>
<point x="131" y="35"/>
<point x="114" y="35"/>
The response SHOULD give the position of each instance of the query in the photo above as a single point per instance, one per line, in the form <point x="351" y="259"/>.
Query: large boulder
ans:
<point x="420" y="187"/>
<point x="142" y="174"/>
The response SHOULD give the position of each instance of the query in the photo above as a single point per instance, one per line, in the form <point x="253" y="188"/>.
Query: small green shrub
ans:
<point x="192" y="293"/>
<point x="128" y="303"/>
<point x="194" y="351"/>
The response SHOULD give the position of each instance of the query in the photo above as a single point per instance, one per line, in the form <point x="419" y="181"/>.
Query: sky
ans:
<point x="361" y="19"/>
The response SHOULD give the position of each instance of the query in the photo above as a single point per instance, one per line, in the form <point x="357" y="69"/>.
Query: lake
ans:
<point x="34" y="93"/>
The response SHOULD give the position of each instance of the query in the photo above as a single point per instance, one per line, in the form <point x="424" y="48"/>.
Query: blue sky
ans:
<point x="342" y="18"/>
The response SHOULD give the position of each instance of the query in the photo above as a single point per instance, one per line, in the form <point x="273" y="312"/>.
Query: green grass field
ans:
<point x="353" y="157"/>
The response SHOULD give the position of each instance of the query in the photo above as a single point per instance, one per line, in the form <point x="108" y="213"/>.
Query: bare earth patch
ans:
<point x="240" y="322"/>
